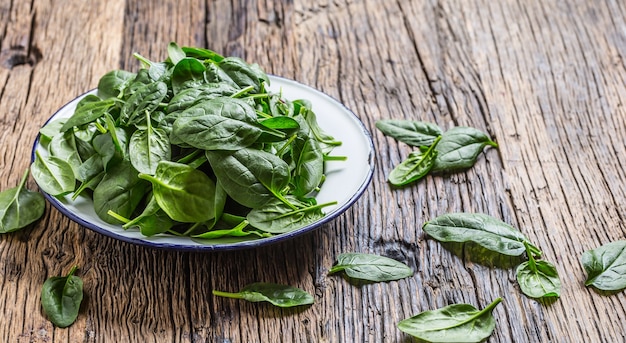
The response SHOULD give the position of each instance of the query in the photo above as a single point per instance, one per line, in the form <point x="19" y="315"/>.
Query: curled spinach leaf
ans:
<point x="277" y="295"/>
<point x="371" y="267"/>
<point x="20" y="206"/>
<point x="606" y="266"/>
<point x="61" y="297"/>
<point x="538" y="279"/>
<point x="453" y="323"/>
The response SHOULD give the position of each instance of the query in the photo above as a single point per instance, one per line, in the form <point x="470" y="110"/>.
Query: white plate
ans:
<point x="345" y="182"/>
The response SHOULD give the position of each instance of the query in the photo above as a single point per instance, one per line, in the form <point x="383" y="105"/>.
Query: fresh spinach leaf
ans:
<point x="487" y="231"/>
<point x="187" y="69"/>
<point x="277" y="295"/>
<point x="152" y="221"/>
<point x="113" y="83"/>
<point x="187" y="195"/>
<point x="370" y="267"/>
<point x="415" y="133"/>
<point x="145" y="99"/>
<point x="53" y="175"/>
<point x="243" y="74"/>
<point x="88" y="113"/>
<point x="453" y="323"/>
<point x="120" y="191"/>
<point x="538" y="279"/>
<point x="19" y="206"/>
<point x="309" y="165"/>
<point x="175" y="53"/>
<point x="415" y="167"/>
<point x="148" y="147"/>
<point x="61" y="297"/>
<point x="283" y="215"/>
<point x="459" y="148"/>
<point x="64" y="147"/>
<point x="606" y="266"/>
<point x="218" y="124"/>
<point x="250" y="177"/>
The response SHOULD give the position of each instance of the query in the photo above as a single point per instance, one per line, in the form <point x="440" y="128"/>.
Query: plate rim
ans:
<point x="255" y="243"/>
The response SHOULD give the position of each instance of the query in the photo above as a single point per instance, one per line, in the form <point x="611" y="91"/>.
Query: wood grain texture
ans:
<point x="545" y="79"/>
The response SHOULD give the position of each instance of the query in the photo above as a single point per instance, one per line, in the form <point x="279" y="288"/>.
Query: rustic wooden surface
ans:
<point x="546" y="79"/>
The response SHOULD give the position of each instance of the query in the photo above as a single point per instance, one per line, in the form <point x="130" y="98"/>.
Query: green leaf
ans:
<point x="152" y="221"/>
<point x="113" y="83"/>
<point x="242" y="73"/>
<point x="415" y="133"/>
<point x="145" y="99"/>
<point x="64" y="147"/>
<point x="606" y="266"/>
<point x="61" y="298"/>
<point x="415" y="167"/>
<point x="251" y="177"/>
<point x="454" y="323"/>
<point x="218" y="124"/>
<point x="459" y="148"/>
<point x="89" y="112"/>
<point x="53" y="175"/>
<point x="309" y="165"/>
<point x="189" y="97"/>
<point x="120" y="191"/>
<point x="187" y="195"/>
<point x="277" y="295"/>
<point x="187" y="69"/>
<point x="148" y="147"/>
<point x="281" y="215"/>
<point x="371" y="267"/>
<point x="20" y="207"/>
<point x="175" y="53"/>
<point x="538" y="279"/>
<point x="487" y="231"/>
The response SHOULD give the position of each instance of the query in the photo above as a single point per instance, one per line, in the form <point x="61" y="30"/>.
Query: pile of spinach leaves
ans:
<point x="438" y="152"/>
<point x="194" y="145"/>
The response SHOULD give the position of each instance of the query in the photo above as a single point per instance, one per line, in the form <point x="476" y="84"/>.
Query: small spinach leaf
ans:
<point x="53" y="175"/>
<point x="277" y="295"/>
<point x="415" y="167"/>
<point x="453" y="323"/>
<point x="148" y="147"/>
<point x="538" y="279"/>
<point x="20" y="206"/>
<point x="113" y="83"/>
<point x="61" y="298"/>
<point x="606" y="266"/>
<point x="459" y="148"/>
<point x="120" y="191"/>
<point x="281" y="215"/>
<point x="88" y="112"/>
<point x="371" y="267"/>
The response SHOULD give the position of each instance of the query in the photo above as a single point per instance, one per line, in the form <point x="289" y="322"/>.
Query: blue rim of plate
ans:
<point x="255" y="243"/>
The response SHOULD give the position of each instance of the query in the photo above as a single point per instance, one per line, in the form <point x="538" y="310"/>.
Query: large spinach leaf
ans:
<point x="606" y="266"/>
<point x="277" y="295"/>
<point x="19" y="206"/>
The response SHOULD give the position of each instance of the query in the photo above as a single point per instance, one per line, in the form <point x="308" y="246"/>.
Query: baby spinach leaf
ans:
<point x="152" y="221"/>
<point x="63" y="146"/>
<point x="487" y="231"/>
<point x="148" y="147"/>
<point x="61" y="298"/>
<point x="311" y="119"/>
<point x="187" y="195"/>
<point x="145" y="99"/>
<point x="88" y="112"/>
<point x="20" y="207"/>
<point x="459" y="148"/>
<point x="309" y="165"/>
<point x="606" y="266"/>
<point x="453" y="323"/>
<point x="187" y="69"/>
<point x="370" y="267"/>
<point x="189" y="97"/>
<point x="243" y="74"/>
<point x="415" y="133"/>
<point x="276" y="216"/>
<point x="277" y="295"/>
<point x="120" y="191"/>
<point x="251" y="177"/>
<point x="202" y="54"/>
<point x="176" y="54"/>
<point x="415" y="167"/>
<point x="538" y="279"/>
<point x="53" y="175"/>
<point x="51" y="129"/>
<point x="113" y="83"/>
<point x="218" y="124"/>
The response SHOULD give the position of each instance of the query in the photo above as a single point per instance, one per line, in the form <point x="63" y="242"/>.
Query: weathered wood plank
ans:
<point x="544" y="79"/>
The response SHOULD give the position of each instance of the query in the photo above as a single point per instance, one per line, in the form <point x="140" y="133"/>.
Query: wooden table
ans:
<point x="545" y="79"/>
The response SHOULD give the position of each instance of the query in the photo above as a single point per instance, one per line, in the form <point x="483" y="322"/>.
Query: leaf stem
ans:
<point x="242" y="92"/>
<point x="227" y="294"/>
<point x="118" y="217"/>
